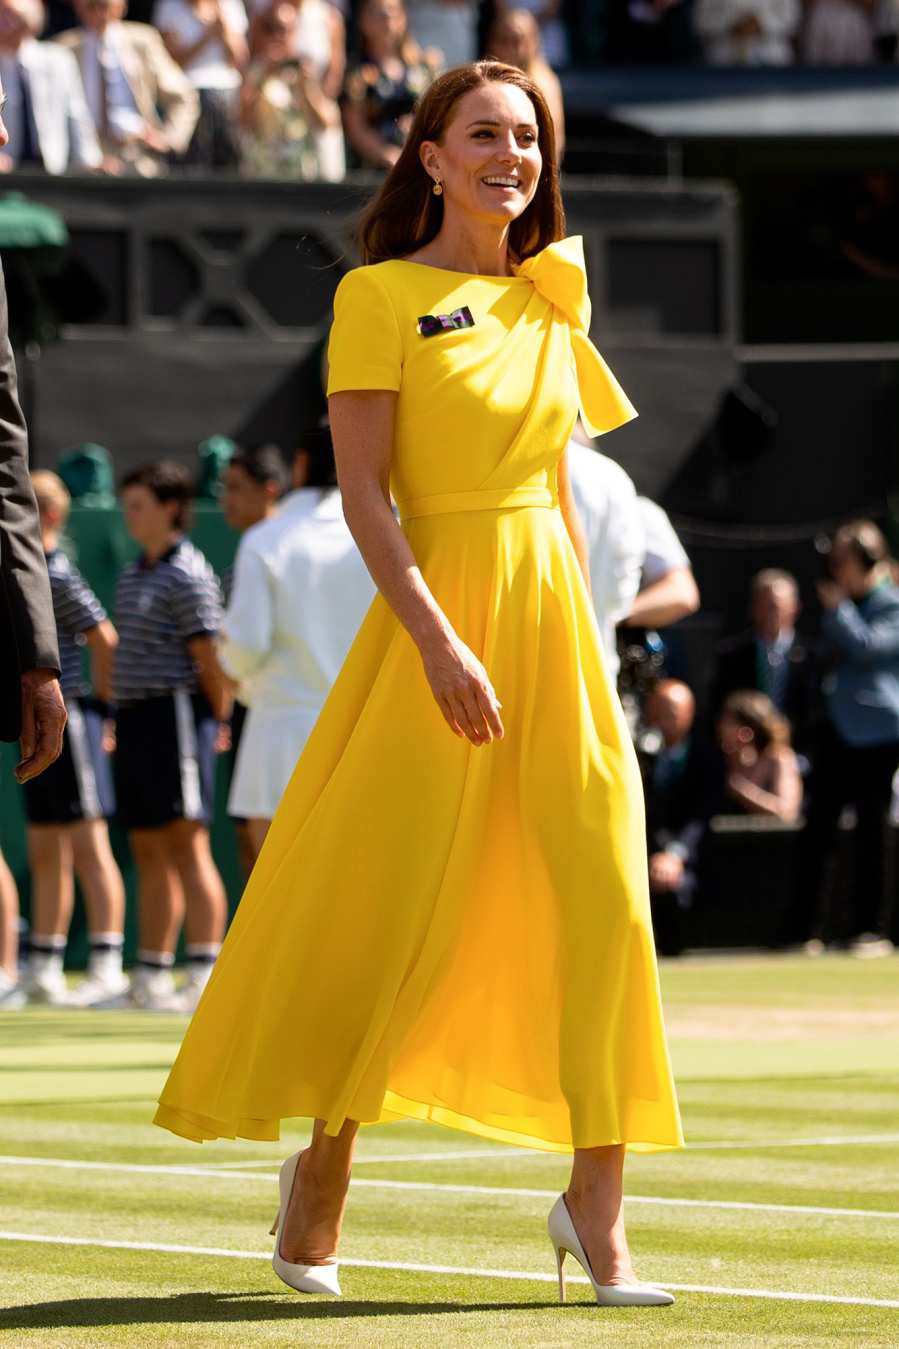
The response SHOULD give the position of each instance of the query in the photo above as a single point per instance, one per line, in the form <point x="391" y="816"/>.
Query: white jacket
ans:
<point x="65" y="129"/>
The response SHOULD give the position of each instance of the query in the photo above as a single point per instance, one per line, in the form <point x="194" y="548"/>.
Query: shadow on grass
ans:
<point x="199" y="1307"/>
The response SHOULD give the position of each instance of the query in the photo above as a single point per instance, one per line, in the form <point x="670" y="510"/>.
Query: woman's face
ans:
<point x="383" y="20"/>
<point x="733" y="735"/>
<point x="489" y="161"/>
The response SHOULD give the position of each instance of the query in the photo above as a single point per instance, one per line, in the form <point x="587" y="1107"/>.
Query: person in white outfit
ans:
<point x="606" y="502"/>
<point x="843" y="32"/>
<point x="748" y="32"/>
<point x="299" y="596"/>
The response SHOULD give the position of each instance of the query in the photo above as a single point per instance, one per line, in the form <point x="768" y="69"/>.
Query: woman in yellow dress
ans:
<point x="431" y="932"/>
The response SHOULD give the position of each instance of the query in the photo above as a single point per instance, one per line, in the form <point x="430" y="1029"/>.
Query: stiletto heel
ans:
<point x="273" y="1230"/>
<point x="560" y="1261"/>
<point x="564" y="1237"/>
<point x="302" y="1278"/>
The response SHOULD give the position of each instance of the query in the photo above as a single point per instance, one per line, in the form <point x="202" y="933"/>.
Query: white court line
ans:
<point x="460" y="1271"/>
<point x="507" y="1191"/>
<point x="446" y="1155"/>
<point x="833" y="1141"/>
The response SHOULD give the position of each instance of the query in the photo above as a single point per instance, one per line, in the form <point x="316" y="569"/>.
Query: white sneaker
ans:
<point x="192" y="990"/>
<point x="99" y="989"/>
<point x="869" y="946"/>
<point x="46" y="985"/>
<point x="154" y="991"/>
<point x="12" y="997"/>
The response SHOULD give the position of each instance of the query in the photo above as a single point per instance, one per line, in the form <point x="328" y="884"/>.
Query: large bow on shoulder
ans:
<point x="559" y="274"/>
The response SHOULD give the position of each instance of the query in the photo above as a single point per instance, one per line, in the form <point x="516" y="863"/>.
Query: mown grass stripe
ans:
<point x="172" y="1248"/>
<point x="504" y="1191"/>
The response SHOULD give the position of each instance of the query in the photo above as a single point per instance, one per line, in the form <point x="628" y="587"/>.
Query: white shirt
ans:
<point x="606" y="502"/>
<point x="124" y="119"/>
<point x="779" y="21"/>
<point x="664" y="551"/>
<point x="210" y="68"/>
<point x="300" y="593"/>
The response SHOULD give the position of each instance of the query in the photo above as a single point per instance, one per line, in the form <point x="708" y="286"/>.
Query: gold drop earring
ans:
<point x="437" y="189"/>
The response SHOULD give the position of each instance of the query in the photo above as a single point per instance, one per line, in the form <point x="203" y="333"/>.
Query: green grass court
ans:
<point x="115" y="1233"/>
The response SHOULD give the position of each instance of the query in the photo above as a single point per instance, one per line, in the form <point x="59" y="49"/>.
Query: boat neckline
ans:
<point x="452" y="271"/>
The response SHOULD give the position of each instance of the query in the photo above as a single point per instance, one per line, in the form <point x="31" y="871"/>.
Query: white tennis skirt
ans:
<point x="271" y="742"/>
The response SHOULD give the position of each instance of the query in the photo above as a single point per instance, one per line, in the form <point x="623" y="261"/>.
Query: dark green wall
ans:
<point x="100" y="547"/>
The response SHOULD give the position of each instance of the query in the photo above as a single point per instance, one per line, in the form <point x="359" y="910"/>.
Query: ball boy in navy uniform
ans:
<point x="68" y="805"/>
<point x="172" y="700"/>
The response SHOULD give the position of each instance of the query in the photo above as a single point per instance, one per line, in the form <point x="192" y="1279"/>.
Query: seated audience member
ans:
<point x="143" y="106"/>
<point x="207" y="38"/>
<point x="46" y="114"/>
<point x="171" y="700"/>
<point x="68" y="805"/>
<point x="550" y="35"/>
<point x="381" y="91"/>
<point x="771" y="659"/>
<point x="607" y="507"/>
<point x="317" y="41"/>
<point x="761" y="772"/>
<point x="12" y="996"/>
<point x="449" y="26"/>
<point x="748" y="32"/>
<point x="282" y="106"/>
<point x="300" y="593"/>
<point x="252" y="484"/>
<point x="858" y="748"/>
<point x="650" y="32"/>
<point x="674" y="788"/>
<point x="515" y="39"/>
<point x="841" y="32"/>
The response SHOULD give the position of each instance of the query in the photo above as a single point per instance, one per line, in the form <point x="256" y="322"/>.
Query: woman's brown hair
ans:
<point x="756" y="711"/>
<point x="405" y="215"/>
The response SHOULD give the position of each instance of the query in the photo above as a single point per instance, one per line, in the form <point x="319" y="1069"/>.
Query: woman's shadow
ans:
<point x="185" y="1308"/>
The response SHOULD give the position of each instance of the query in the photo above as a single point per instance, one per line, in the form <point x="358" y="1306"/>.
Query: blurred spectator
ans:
<point x="749" y="32"/>
<point x="651" y="32"/>
<point x="607" y="507"/>
<point x="317" y="40"/>
<point x="46" y="114"/>
<point x="858" y="750"/>
<point x="551" y="34"/>
<point x="771" y="659"/>
<point x="674" y="788"/>
<point x="11" y="995"/>
<point x="207" y="38"/>
<point x="381" y="92"/>
<point x="668" y="590"/>
<point x="252" y="484"/>
<point x="282" y="106"/>
<point x="761" y="771"/>
<point x="840" y="32"/>
<point x="67" y="806"/>
<point x="515" y="39"/>
<point x="886" y="29"/>
<point x="449" y="25"/>
<point x="143" y="105"/>
<point x="172" y="699"/>
<point x="287" y="654"/>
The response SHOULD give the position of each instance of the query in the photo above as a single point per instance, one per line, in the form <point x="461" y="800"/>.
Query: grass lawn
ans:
<point x="786" y="1196"/>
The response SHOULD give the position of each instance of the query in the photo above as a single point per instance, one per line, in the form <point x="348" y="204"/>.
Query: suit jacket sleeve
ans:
<point x="27" y="627"/>
<point x="174" y="94"/>
<point x="84" y="148"/>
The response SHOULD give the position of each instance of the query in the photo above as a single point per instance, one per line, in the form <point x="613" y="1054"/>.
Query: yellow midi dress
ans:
<point x="434" y="930"/>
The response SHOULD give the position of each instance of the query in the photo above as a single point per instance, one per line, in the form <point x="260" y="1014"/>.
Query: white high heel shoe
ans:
<point x="565" y="1240"/>
<point x="302" y="1278"/>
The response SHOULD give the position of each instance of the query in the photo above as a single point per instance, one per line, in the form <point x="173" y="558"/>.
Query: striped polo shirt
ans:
<point x="159" y="607"/>
<point x="76" y="610"/>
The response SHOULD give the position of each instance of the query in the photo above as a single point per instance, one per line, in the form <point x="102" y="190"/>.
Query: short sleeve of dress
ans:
<point x="365" y="349"/>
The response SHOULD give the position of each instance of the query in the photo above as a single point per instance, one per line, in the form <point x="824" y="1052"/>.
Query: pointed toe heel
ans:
<point x="301" y="1278"/>
<point x="565" y="1240"/>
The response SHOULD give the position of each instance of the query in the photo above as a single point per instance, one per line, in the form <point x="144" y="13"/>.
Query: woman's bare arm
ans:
<point x="572" y="520"/>
<point x="362" y="429"/>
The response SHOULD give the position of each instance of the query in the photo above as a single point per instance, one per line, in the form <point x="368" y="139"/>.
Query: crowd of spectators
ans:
<point x="307" y="89"/>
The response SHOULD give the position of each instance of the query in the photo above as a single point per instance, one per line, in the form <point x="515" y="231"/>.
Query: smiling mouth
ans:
<point x="502" y="181"/>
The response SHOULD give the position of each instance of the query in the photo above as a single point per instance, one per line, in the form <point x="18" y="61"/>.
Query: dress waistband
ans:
<point x="449" y="503"/>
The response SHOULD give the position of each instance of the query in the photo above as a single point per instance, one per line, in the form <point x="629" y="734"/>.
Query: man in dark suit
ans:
<point x="772" y="659"/>
<point x="31" y="704"/>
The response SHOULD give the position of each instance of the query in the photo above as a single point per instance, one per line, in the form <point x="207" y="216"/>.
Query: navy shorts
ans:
<point x="165" y="761"/>
<point x="78" y="786"/>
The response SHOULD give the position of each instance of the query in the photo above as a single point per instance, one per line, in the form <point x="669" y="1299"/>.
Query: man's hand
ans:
<point x="666" y="872"/>
<point x="830" y="594"/>
<point x="43" y="722"/>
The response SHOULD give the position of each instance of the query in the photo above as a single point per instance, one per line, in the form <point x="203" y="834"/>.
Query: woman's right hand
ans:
<point x="463" y="690"/>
